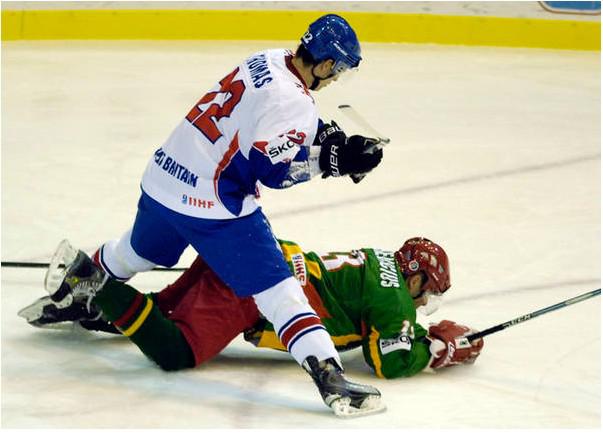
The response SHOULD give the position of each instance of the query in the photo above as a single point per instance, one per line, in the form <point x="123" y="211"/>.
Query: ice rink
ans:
<point x="495" y="154"/>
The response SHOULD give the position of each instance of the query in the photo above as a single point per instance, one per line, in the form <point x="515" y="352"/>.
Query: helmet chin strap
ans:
<point x="315" y="83"/>
<point x="317" y="80"/>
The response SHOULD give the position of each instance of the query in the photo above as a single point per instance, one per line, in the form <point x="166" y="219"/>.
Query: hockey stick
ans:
<point x="534" y="314"/>
<point x="355" y="117"/>
<point x="46" y="264"/>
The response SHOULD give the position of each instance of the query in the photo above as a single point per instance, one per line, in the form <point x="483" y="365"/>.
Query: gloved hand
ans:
<point x="449" y="345"/>
<point x="341" y="155"/>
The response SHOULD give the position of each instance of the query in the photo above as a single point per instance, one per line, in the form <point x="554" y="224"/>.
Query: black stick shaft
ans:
<point x="534" y="314"/>
<point x="13" y="264"/>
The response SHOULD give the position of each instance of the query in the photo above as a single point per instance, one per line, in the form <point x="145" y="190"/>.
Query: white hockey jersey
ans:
<point x="257" y="124"/>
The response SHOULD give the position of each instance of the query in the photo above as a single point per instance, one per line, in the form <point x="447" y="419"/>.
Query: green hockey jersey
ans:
<point x="362" y="300"/>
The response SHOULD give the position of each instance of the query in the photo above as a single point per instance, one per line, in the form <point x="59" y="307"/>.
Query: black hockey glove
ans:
<point x="341" y="155"/>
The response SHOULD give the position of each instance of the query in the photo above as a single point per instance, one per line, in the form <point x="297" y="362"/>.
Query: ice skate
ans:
<point x="72" y="277"/>
<point x="44" y="313"/>
<point x="345" y="398"/>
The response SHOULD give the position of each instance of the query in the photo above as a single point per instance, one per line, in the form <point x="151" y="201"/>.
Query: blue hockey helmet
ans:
<point x="332" y="37"/>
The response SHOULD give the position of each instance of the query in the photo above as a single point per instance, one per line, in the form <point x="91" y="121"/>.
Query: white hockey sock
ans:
<point x="299" y="328"/>
<point x="119" y="260"/>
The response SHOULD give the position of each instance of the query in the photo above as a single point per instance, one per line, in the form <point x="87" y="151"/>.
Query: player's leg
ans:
<point x="171" y="296"/>
<point x="246" y="256"/>
<point x="151" y="241"/>
<point x="185" y="324"/>
<point x="83" y="284"/>
<point x="87" y="294"/>
<point x="137" y="316"/>
<point x="301" y="332"/>
<point x="297" y="325"/>
<point x="209" y="313"/>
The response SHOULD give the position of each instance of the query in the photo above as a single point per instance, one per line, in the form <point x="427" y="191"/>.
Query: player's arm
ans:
<point x="413" y="349"/>
<point x="448" y="345"/>
<point x="403" y="353"/>
<point x="292" y="157"/>
<point x="287" y="159"/>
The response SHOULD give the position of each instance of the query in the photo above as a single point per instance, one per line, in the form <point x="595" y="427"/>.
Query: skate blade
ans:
<point x="57" y="269"/>
<point x="343" y="408"/>
<point x="34" y="311"/>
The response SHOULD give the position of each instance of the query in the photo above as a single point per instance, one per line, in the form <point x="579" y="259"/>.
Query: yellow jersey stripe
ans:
<point x="374" y="351"/>
<point x="345" y="339"/>
<point x="313" y="268"/>
<point x="290" y="250"/>
<point x="143" y="316"/>
<point x="269" y="339"/>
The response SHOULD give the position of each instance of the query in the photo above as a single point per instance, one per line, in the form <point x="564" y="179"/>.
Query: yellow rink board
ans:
<point x="289" y="25"/>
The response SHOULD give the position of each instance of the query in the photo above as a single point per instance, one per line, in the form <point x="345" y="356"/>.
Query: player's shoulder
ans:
<point x="383" y="265"/>
<point x="272" y="75"/>
<point x="261" y="71"/>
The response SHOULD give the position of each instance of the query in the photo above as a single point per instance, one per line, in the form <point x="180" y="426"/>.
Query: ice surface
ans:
<point x="495" y="154"/>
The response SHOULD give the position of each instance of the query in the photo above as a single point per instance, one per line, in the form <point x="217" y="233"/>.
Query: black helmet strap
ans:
<point x="318" y="79"/>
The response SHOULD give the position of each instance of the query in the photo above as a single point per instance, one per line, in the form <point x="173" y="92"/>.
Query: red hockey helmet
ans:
<point x="420" y="254"/>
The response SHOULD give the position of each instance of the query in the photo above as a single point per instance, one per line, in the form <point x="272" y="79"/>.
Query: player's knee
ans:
<point x="171" y="366"/>
<point x="284" y="296"/>
<point x="170" y="350"/>
<point x="175" y="361"/>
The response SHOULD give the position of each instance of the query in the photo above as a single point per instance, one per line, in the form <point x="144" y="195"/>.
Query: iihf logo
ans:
<point x="197" y="202"/>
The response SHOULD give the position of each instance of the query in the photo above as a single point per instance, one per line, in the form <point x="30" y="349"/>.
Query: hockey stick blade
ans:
<point x="534" y="314"/>
<point x="355" y="117"/>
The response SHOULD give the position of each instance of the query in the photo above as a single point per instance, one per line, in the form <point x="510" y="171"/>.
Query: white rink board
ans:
<point x="495" y="154"/>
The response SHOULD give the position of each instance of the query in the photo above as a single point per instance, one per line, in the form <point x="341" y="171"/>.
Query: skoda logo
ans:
<point x="413" y="265"/>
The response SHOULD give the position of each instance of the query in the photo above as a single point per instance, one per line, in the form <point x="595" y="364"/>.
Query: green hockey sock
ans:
<point x="137" y="316"/>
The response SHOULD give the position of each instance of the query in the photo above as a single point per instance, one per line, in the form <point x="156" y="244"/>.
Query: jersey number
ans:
<point x="205" y="120"/>
<point x="335" y="261"/>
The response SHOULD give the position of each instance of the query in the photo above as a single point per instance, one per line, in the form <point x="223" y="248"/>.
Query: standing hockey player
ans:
<point x="259" y="124"/>
<point x="366" y="297"/>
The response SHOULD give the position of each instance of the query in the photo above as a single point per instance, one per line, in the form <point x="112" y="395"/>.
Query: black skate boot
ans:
<point x="45" y="313"/>
<point x="345" y="398"/>
<point x="72" y="277"/>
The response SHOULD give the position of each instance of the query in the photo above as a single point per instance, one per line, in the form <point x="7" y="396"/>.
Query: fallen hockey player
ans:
<point x="367" y="297"/>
